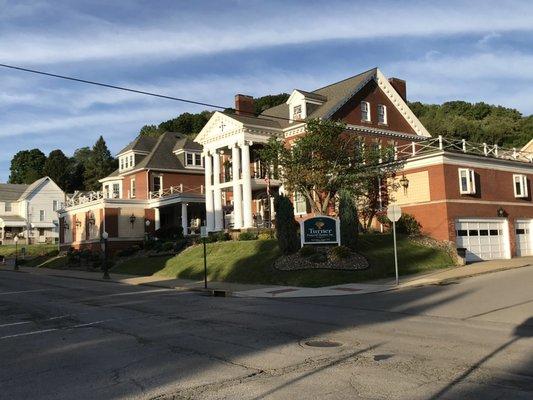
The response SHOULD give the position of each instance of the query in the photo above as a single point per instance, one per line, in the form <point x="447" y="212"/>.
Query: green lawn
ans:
<point x="251" y="262"/>
<point x="8" y="250"/>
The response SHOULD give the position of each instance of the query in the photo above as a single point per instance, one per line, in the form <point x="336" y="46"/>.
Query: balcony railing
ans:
<point x="78" y="199"/>
<point x="174" y="190"/>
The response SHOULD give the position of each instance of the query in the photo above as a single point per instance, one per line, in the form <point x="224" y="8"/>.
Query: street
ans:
<point x="66" y="338"/>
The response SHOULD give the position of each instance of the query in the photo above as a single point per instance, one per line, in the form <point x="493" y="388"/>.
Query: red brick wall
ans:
<point x="141" y="191"/>
<point x="188" y="180"/>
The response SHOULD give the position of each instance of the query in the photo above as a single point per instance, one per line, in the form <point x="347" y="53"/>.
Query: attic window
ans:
<point x="365" y="111"/>
<point x="193" y="160"/>
<point x="382" y="114"/>
<point x="297" y="112"/>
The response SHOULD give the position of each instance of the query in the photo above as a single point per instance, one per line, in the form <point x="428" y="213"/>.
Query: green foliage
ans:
<point x="167" y="246"/>
<point x="99" y="165"/>
<point x="307" y="251"/>
<point x="318" y="257"/>
<point x="27" y="166"/>
<point x="338" y="253"/>
<point x="247" y="236"/>
<point x="286" y="225"/>
<point x="127" y="252"/>
<point x="348" y="220"/>
<point x="169" y="232"/>
<point x="57" y="167"/>
<point x="263" y="103"/>
<point x="220" y="236"/>
<point x="408" y="225"/>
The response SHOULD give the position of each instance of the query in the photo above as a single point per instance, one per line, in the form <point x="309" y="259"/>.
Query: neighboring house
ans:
<point x="475" y="195"/>
<point x="159" y="184"/>
<point x="30" y="211"/>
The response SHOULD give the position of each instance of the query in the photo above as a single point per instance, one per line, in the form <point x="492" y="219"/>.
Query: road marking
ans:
<point x="55" y="329"/>
<point x="28" y="333"/>
<point x="15" y="323"/>
<point x="26" y="291"/>
<point x="88" y="324"/>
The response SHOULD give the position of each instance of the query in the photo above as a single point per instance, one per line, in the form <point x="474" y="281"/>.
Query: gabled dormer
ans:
<point x="188" y="152"/>
<point x="302" y="104"/>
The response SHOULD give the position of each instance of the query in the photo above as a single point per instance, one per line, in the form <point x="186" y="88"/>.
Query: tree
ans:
<point x="150" y="130"/>
<point x="285" y="225"/>
<point x="57" y="167"/>
<point x="263" y="103"/>
<point x="99" y="165"/>
<point x="348" y="219"/>
<point x="27" y="166"/>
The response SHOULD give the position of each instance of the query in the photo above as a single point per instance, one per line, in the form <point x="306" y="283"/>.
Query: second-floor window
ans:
<point x="365" y="111"/>
<point x="300" y="204"/>
<point x="467" y="181"/>
<point x="54" y="205"/>
<point x="116" y="190"/>
<point x="132" y="188"/>
<point x="193" y="160"/>
<point x="520" y="186"/>
<point x="157" y="183"/>
<point x="297" y="112"/>
<point x="382" y="114"/>
<point x="41" y="215"/>
<point x="7" y="207"/>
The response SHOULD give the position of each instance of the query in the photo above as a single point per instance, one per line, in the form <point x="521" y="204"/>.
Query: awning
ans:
<point x="12" y="221"/>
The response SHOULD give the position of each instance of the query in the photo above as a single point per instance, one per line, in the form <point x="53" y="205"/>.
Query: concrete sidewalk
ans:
<point x="269" y="291"/>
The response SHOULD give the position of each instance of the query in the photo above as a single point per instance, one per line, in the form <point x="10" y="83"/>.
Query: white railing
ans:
<point x="78" y="199"/>
<point x="175" y="190"/>
<point x="459" y="146"/>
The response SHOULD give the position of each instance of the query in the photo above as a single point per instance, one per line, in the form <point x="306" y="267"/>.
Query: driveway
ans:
<point x="66" y="338"/>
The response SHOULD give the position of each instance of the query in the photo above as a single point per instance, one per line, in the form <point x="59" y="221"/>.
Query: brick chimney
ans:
<point x="400" y="86"/>
<point x="244" y="105"/>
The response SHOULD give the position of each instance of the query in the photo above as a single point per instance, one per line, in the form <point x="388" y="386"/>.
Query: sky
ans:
<point x="210" y="50"/>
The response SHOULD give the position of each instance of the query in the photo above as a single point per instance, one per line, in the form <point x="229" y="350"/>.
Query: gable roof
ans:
<point x="11" y="191"/>
<point x="140" y="143"/>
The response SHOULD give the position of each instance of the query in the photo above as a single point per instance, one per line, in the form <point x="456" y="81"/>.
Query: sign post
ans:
<point x="394" y="213"/>
<point x="203" y="235"/>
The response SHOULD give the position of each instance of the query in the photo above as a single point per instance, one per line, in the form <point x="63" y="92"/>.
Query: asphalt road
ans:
<point x="65" y="338"/>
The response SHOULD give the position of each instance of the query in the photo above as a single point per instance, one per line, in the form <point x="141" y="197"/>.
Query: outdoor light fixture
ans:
<point x="78" y="223"/>
<point x="405" y="183"/>
<point x="132" y="219"/>
<point x="501" y="212"/>
<point x="147" y="223"/>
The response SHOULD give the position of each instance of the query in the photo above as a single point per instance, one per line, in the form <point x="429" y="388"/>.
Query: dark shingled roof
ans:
<point x="311" y="95"/>
<point x="141" y="143"/>
<point x="12" y="191"/>
<point x="259" y="120"/>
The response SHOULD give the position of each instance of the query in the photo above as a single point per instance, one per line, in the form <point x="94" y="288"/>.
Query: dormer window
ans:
<point x="126" y="162"/>
<point x="193" y="160"/>
<point x="382" y="114"/>
<point x="365" y="111"/>
<point x="297" y="112"/>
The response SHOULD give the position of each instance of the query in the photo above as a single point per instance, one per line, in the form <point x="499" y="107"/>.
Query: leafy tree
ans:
<point x="286" y="225"/>
<point x="263" y="103"/>
<point x="27" y="166"/>
<point x="57" y="167"/>
<point x="78" y="164"/>
<point x="99" y="165"/>
<point x="150" y="130"/>
<point x="348" y="219"/>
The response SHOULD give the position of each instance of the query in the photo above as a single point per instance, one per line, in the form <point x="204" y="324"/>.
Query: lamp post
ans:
<point x="16" y="239"/>
<point x="105" y="235"/>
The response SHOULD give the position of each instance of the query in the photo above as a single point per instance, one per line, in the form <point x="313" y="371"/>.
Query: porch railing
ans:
<point x="174" y="190"/>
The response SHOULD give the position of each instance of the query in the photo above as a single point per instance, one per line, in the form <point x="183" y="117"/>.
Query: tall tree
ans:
<point x="57" y="167"/>
<point x="348" y="219"/>
<point x="78" y="164"/>
<point x="27" y="166"/>
<point x="99" y="165"/>
<point x="285" y="225"/>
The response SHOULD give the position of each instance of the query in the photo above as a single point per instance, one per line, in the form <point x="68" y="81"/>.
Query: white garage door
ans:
<point x="524" y="237"/>
<point x="483" y="239"/>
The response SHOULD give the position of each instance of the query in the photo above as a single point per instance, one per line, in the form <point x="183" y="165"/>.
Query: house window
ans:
<point x="382" y="114"/>
<point x="8" y="207"/>
<point x="467" y="181"/>
<point x="132" y="188"/>
<point x="193" y="160"/>
<point x="116" y="190"/>
<point x="365" y="111"/>
<point x="190" y="160"/>
<point x="41" y="215"/>
<point x="520" y="186"/>
<point x="54" y="205"/>
<point x="157" y="183"/>
<point x="300" y="204"/>
<point x="198" y="159"/>
<point x="106" y="191"/>
<point x="121" y="163"/>
<point x="297" y="112"/>
<point x="131" y="160"/>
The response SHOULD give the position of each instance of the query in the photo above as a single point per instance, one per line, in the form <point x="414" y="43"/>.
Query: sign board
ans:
<point x="203" y="231"/>
<point x="394" y="213"/>
<point x="320" y="230"/>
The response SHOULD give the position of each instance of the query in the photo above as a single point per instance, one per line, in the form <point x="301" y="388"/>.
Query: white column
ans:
<point x="184" y="219"/>
<point x="157" y="219"/>
<point x="237" y="191"/>
<point x="246" y="187"/>
<point x="217" y="192"/>
<point x="209" y="209"/>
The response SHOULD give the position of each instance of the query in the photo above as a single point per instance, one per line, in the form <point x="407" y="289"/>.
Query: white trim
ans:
<point x="384" y="108"/>
<point x="522" y="181"/>
<point x="470" y="177"/>
<point x="467" y="201"/>
<point x="366" y="114"/>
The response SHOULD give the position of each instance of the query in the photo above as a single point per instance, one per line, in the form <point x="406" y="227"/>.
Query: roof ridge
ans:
<point x="344" y="80"/>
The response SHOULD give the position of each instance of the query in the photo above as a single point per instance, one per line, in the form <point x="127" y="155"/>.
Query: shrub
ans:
<point x="318" y="257"/>
<point x="167" y="246"/>
<point x="85" y="254"/>
<point x="180" y="244"/>
<point x="286" y="230"/>
<point x="172" y="232"/>
<point x="220" y="236"/>
<point x="247" y="236"/>
<point x="348" y="220"/>
<point x="307" y="251"/>
<point x="53" y="253"/>
<point x="408" y="225"/>
<point x="338" y="253"/>
<point x="127" y="252"/>
<point x="149" y="244"/>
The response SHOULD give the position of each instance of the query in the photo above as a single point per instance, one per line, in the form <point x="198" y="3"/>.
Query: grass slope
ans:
<point x="8" y="250"/>
<point x="251" y="262"/>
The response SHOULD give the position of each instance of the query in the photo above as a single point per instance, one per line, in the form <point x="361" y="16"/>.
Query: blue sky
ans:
<point x="210" y="50"/>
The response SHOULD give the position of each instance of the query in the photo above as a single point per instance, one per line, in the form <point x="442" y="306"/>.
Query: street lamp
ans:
<point x="105" y="235"/>
<point x="16" y="239"/>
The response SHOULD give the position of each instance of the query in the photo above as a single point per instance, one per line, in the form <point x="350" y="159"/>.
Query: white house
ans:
<point x="30" y="211"/>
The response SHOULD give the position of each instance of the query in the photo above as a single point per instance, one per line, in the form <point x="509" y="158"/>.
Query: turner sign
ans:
<point x="320" y="230"/>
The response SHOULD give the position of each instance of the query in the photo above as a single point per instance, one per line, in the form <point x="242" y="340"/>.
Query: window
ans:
<point x="121" y="163"/>
<point x="190" y="160"/>
<point x="116" y="190"/>
<point x="297" y="112"/>
<point x="382" y="114"/>
<point x="132" y="188"/>
<point x="300" y="204"/>
<point x="41" y="215"/>
<point x="198" y="159"/>
<point x="8" y="207"/>
<point x="131" y="160"/>
<point x="365" y="111"/>
<point x="520" y="186"/>
<point x="106" y="191"/>
<point x="193" y="160"/>
<point x="54" y="205"/>
<point x="467" y="181"/>
<point x="158" y="183"/>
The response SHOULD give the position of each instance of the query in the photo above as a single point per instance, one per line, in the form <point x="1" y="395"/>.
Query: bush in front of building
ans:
<point x="248" y="236"/>
<point x="307" y="251"/>
<point x="338" y="253"/>
<point x="220" y="236"/>
<point x="167" y="246"/>
<point x="286" y="227"/>
<point x="408" y="225"/>
<point x="172" y="232"/>
<point x="348" y="220"/>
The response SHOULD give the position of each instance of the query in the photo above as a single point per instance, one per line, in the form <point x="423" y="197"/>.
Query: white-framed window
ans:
<point x="54" y="205"/>
<point x="467" y="181"/>
<point x="121" y="163"/>
<point x="157" y="183"/>
<point x="300" y="204"/>
<point x="132" y="188"/>
<point x="193" y="160"/>
<point x="8" y="207"/>
<point x="520" y="186"/>
<point x="297" y="112"/>
<point x="116" y="190"/>
<point x="131" y="160"/>
<point x="365" y="111"/>
<point x="106" y="191"/>
<point x="41" y="215"/>
<point x="382" y="114"/>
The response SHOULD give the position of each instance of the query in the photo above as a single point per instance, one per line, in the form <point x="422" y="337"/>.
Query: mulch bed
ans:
<point x="294" y="262"/>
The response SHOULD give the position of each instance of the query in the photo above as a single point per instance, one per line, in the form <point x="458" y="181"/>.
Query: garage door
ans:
<point x="483" y="239"/>
<point x="524" y="238"/>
